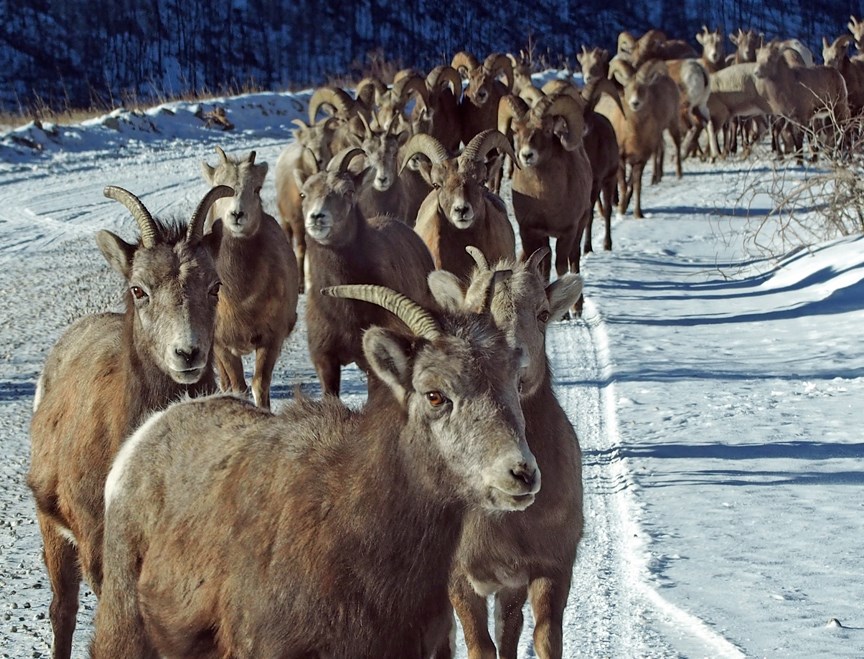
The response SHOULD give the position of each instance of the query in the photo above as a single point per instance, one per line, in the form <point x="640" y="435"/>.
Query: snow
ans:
<point x="717" y="394"/>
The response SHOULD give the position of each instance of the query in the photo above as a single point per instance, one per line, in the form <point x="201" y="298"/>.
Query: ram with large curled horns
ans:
<point x="106" y="374"/>
<point x="460" y="210"/>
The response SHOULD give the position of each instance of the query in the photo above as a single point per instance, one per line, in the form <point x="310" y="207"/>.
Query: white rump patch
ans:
<point x="116" y="476"/>
<point x="37" y="397"/>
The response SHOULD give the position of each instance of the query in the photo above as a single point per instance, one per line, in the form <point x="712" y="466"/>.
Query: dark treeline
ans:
<point x="84" y="53"/>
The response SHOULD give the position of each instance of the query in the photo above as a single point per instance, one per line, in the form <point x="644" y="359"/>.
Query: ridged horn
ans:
<point x="196" y="225"/>
<point x="419" y="320"/>
<point x="530" y="94"/>
<point x="478" y="256"/>
<point x="370" y="90"/>
<point x="499" y="63"/>
<point x="464" y="60"/>
<point x="442" y="76"/>
<point x="510" y="107"/>
<point x="146" y="225"/>
<point x="333" y="97"/>
<point x="481" y="144"/>
<point x="408" y="84"/>
<point x="572" y="111"/>
<point x="428" y="146"/>
<point x="339" y="163"/>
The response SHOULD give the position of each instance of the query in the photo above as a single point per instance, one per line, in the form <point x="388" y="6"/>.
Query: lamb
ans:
<point x="651" y="102"/>
<point x="320" y="531"/>
<point x="257" y="307"/>
<point x="835" y="54"/>
<point x="104" y="376"/>
<point x="552" y="189"/>
<point x="347" y="248"/>
<point x="532" y="551"/>
<point x="460" y="211"/>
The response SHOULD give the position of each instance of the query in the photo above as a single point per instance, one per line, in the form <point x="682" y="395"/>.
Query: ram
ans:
<point x="460" y="211"/>
<point x="320" y="531"/>
<point x="257" y="307"/>
<point x="105" y="375"/>
<point x="347" y="248"/>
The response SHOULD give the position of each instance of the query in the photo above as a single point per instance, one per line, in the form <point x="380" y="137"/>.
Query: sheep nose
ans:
<point x="528" y="156"/>
<point x="461" y="211"/>
<point x="237" y="214"/>
<point x="317" y="216"/>
<point x="481" y="95"/>
<point x="189" y="355"/>
<point x="526" y="474"/>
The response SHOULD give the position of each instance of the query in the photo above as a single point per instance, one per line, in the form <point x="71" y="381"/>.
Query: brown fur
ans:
<point x="99" y="381"/>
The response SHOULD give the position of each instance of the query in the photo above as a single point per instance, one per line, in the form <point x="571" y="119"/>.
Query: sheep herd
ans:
<point x="208" y="525"/>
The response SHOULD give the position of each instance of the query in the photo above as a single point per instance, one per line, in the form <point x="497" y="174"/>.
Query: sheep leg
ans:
<point x="439" y="639"/>
<point x="657" y="171"/>
<point x="625" y="187"/>
<point x="608" y="194"/>
<point x="635" y="188"/>
<point x="329" y="374"/>
<point x="265" y="361"/>
<point x="509" y="620"/>
<point x="548" y="601"/>
<point x="471" y="609"/>
<point x="61" y="562"/>
<point x="231" y="376"/>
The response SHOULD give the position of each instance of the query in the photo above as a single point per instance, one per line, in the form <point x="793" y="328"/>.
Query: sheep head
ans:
<point x="483" y="79"/>
<point x="172" y="285"/>
<point x="835" y="53"/>
<point x="856" y="27"/>
<point x="626" y="44"/>
<point x="746" y="43"/>
<point x="328" y="199"/>
<point x="713" y="49"/>
<point x="594" y="63"/>
<point x="317" y="140"/>
<point x="638" y="84"/>
<point x="381" y="146"/>
<point x="769" y="60"/>
<point x="241" y="213"/>
<point x="520" y="302"/>
<point x="553" y="124"/>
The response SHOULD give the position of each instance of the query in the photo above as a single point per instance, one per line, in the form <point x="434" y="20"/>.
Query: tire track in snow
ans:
<point x="613" y="610"/>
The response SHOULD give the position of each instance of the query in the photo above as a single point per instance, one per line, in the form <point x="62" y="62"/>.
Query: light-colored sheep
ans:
<point x="104" y="376"/>
<point x="320" y="531"/>
<point x="460" y="211"/>
<point x="347" y="248"/>
<point x="856" y="27"/>
<point x="835" y="54"/>
<point x="257" y="307"/>
<point x="533" y="551"/>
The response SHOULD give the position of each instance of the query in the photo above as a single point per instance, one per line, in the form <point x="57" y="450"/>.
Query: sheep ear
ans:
<point x="388" y="357"/>
<point x="116" y="251"/>
<point x="208" y="172"/>
<point x="446" y="289"/>
<point x="563" y="293"/>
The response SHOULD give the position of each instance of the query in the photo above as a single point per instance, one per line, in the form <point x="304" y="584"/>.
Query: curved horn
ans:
<point x="428" y="146"/>
<point x="572" y="110"/>
<point x="536" y="258"/>
<point x="196" y="224"/>
<point x="510" y="107"/>
<point x="366" y="127"/>
<point x="419" y="320"/>
<point x="464" y="60"/>
<point x="478" y="256"/>
<point x="333" y="97"/>
<point x="530" y="94"/>
<point x="370" y="90"/>
<point x="408" y="84"/>
<point x="221" y="153"/>
<point x="442" y="76"/>
<point x="499" y="63"/>
<point x="339" y="163"/>
<point x="482" y="143"/>
<point x="146" y="225"/>
<point x="621" y="70"/>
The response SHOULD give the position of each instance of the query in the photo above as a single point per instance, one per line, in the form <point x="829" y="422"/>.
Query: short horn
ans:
<point x="221" y="153"/>
<point x="478" y="256"/>
<point x="536" y="258"/>
<point x="419" y="320"/>
<point x="251" y="158"/>
<point x="146" y="225"/>
<point x="196" y="224"/>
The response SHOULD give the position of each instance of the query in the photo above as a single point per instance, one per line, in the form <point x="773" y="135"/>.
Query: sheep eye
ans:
<point x="437" y="186"/>
<point x="436" y="398"/>
<point x="138" y="292"/>
<point x="302" y="195"/>
<point x="214" y="289"/>
<point x="543" y="316"/>
<point x="258" y="190"/>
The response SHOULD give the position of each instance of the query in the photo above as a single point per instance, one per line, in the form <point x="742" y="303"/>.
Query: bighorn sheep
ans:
<point x="381" y="191"/>
<point x="856" y="27"/>
<point x="651" y="101"/>
<point x="310" y="151"/>
<point x="652" y="45"/>
<point x="343" y="524"/>
<point x="746" y="44"/>
<point x="104" y="375"/>
<point x="531" y="551"/>
<point x="460" y="211"/>
<point x="441" y="120"/>
<point x="836" y="55"/>
<point x="799" y="93"/>
<point x="257" y="307"/>
<point x="347" y="248"/>
<point x="479" y="106"/>
<point x="713" y="48"/>
<point x="552" y="188"/>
